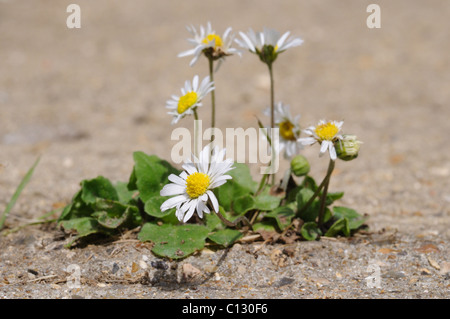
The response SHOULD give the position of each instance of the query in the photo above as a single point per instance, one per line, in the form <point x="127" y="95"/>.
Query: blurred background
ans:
<point x="86" y="99"/>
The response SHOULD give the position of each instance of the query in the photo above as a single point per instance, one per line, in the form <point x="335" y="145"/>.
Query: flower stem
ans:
<point x="213" y="98"/>
<point x="195" y="132"/>
<point x="272" y="97"/>
<point x="323" y="198"/>
<point x="272" y="112"/>
<point x="319" y="188"/>
<point x="235" y="223"/>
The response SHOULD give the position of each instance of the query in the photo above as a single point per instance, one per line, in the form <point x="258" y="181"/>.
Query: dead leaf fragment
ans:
<point x="427" y="248"/>
<point x="134" y="267"/>
<point x="433" y="263"/>
<point x="387" y="250"/>
<point x="445" y="267"/>
<point x="278" y="258"/>
<point x="425" y="271"/>
<point x="190" y="271"/>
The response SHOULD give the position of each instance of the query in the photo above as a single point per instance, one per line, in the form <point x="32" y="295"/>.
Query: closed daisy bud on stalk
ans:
<point x="300" y="165"/>
<point x="347" y="148"/>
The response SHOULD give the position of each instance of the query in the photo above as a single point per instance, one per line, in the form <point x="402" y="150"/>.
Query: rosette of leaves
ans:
<point x="104" y="207"/>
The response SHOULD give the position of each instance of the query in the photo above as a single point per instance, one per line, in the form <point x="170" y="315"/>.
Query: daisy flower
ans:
<point x="211" y="44"/>
<point x="325" y="133"/>
<point x="192" y="95"/>
<point x="267" y="44"/>
<point x="193" y="187"/>
<point x="289" y="129"/>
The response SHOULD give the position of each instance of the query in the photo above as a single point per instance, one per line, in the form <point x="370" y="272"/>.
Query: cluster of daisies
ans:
<point x="192" y="189"/>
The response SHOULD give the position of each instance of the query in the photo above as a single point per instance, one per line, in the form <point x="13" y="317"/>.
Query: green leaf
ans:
<point x="265" y="202"/>
<point x="310" y="231"/>
<point x="310" y="214"/>
<point x="282" y="215"/>
<point x="99" y="187"/>
<point x="213" y="222"/>
<point x="243" y="204"/>
<point x="174" y="241"/>
<point x="331" y="197"/>
<point x="240" y="185"/>
<point x="225" y="237"/>
<point x="112" y="214"/>
<point x="292" y="195"/>
<point x="16" y="194"/>
<point x="76" y="209"/>
<point x="309" y="182"/>
<point x="327" y="215"/>
<point x="125" y="195"/>
<point x="152" y="207"/>
<point x="265" y="225"/>
<point x="84" y="226"/>
<point x="242" y="177"/>
<point x="355" y="220"/>
<point x="150" y="174"/>
<point x="340" y="226"/>
<point x="132" y="181"/>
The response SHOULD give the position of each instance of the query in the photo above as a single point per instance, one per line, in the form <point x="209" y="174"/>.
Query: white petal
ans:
<point x="172" y="202"/>
<point x="281" y="40"/>
<point x="332" y="151"/>
<point x="189" y="168"/>
<point x="201" y="207"/>
<point x="204" y="159"/>
<point x="324" y="146"/>
<point x="191" y="210"/>
<point x="307" y="140"/>
<point x="194" y="60"/>
<point x="195" y="83"/>
<point x="177" y="179"/>
<point x="213" y="199"/>
<point x="217" y="184"/>
<point x="186" y="53"/>
<point x="249" y="44"/>
<point x="172" y="189"/>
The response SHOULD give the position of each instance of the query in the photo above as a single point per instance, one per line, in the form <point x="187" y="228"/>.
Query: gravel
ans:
<point x="86" y="99"/>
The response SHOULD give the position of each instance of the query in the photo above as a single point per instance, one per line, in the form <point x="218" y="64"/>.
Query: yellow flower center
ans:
<point x="186" y="101"/>
<point x="211" y="37"/>
<point x="286" y="131"/>
<point x="275" y="49"/>
<point x="327" y="131"/>
<point x="197" y="184"/>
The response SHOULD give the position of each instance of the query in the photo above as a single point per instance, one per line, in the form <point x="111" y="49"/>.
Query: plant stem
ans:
<point x="324" y="194"/>
<point x="195" y="132"/>
<point x="319" y="188"/>
<point x="272" y="111"/>
<point x="213" y="98"/>
<point x="235" y="223"/>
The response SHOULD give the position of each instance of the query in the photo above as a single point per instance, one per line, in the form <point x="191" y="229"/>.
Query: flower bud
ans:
<point x="347" y="148"/>
<point x="300" y="165"/>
